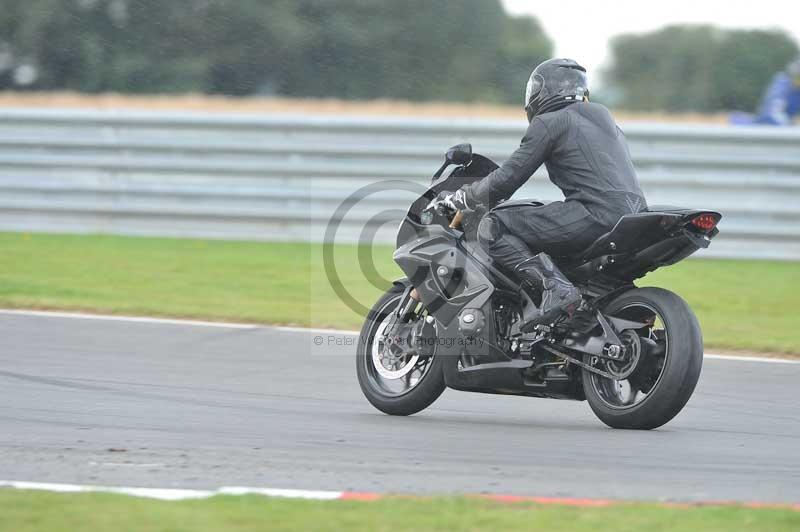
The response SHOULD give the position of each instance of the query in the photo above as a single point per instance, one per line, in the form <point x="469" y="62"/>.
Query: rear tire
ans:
<point x="418" y="398"/>
<point x="681" y="367"/>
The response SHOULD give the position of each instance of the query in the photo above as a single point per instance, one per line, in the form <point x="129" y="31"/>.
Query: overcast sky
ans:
<point x="581" y="29"/>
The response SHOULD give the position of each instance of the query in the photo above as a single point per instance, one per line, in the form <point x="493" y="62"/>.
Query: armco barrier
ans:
<point x="282" y="176"/>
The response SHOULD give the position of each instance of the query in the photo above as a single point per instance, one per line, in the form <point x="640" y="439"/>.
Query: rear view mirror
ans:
<point x="460" y="154"/>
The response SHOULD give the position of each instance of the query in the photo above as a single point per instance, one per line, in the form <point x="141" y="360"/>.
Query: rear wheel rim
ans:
<point x="627" y="393"/>
<point x="393" y="378"/>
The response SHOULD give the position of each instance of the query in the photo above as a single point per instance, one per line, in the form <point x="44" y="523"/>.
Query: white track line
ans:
<point x="312" y="330"/>
<point x="302" y="330"/>
<point x="168" y="321"/>
<point x="152" y="493"/>
<point x="737" y="358"/>
<point x="171" y="494"/>
<point x="134" y="319"/>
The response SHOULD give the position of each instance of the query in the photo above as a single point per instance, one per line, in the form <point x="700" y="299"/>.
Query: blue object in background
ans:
<point x="781" y="102"/>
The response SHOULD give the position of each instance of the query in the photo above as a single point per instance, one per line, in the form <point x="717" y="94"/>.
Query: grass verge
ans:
<point x="23" y="511"/>
<point x="742" y="305"/>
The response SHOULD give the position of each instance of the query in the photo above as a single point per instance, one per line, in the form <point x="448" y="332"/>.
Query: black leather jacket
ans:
<point x="586" y="156"/>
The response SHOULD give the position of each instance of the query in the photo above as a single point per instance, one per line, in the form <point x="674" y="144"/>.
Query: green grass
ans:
<point x="745" y="305"/>
<point x="750" y="305"/>
<point x="22" y="511"/>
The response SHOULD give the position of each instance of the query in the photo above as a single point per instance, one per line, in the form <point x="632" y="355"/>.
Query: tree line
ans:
<point x="456" y="50"/>
<point x="695" y="68"/>
<point x="459" y="50"/>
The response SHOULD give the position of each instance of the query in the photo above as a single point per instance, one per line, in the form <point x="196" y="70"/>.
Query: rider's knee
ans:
<point x="490" y="229"/>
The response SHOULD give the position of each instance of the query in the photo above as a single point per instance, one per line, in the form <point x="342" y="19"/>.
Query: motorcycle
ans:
<point x="634" y="354"/>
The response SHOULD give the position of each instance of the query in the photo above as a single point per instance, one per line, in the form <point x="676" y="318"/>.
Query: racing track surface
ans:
<point x="175" y="405"/>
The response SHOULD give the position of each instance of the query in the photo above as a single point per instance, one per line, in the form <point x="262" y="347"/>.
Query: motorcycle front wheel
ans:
<point x="662" y="366"/>
<point x="399" y="375"/>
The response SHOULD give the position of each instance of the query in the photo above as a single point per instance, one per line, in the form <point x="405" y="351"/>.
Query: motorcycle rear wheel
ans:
<point x="660" y="386"/>
<point x="378" y="383"/>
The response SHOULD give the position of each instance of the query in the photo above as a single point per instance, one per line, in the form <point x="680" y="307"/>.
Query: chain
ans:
<point x="580" y="363"/>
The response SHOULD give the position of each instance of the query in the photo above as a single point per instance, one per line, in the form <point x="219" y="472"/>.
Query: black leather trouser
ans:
<point x="514" y="233"/>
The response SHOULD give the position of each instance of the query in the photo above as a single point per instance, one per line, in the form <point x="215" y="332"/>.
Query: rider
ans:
<point x="781" y="101"/>
<point x="586" y="156"/>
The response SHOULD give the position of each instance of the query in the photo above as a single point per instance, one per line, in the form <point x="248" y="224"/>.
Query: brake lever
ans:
<point x="439" y="207"/>
<point x="432" y="206"/>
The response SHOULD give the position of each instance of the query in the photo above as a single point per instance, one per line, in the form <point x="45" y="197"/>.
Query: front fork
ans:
<point x="405" y="309"/>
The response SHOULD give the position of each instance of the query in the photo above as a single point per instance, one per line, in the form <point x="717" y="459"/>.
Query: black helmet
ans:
<point x="554" y="84"/>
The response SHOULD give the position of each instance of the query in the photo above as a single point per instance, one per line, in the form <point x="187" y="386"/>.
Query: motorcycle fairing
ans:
<point x="447" y="278"/>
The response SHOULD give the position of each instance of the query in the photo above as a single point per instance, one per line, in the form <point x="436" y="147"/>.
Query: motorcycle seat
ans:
<point x="632" y="232"/>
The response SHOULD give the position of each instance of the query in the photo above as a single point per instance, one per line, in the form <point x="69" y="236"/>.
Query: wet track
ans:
<point x="176" y="405"/>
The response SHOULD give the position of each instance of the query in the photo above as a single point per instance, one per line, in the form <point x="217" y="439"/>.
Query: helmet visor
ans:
<point x="534" y="87"/>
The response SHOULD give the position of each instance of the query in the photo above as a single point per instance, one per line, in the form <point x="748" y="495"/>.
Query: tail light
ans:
<point x="706" y="221"/>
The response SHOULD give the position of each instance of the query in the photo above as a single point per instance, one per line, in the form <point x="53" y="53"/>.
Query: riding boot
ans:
<point x="559" y="296"/>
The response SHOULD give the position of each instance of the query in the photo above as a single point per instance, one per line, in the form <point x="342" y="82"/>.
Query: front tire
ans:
<point x="421" y="394"/>
<point x="681" y="341"/>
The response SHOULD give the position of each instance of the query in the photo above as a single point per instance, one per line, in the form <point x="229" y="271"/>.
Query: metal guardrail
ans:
<point x="282" y="176"/>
